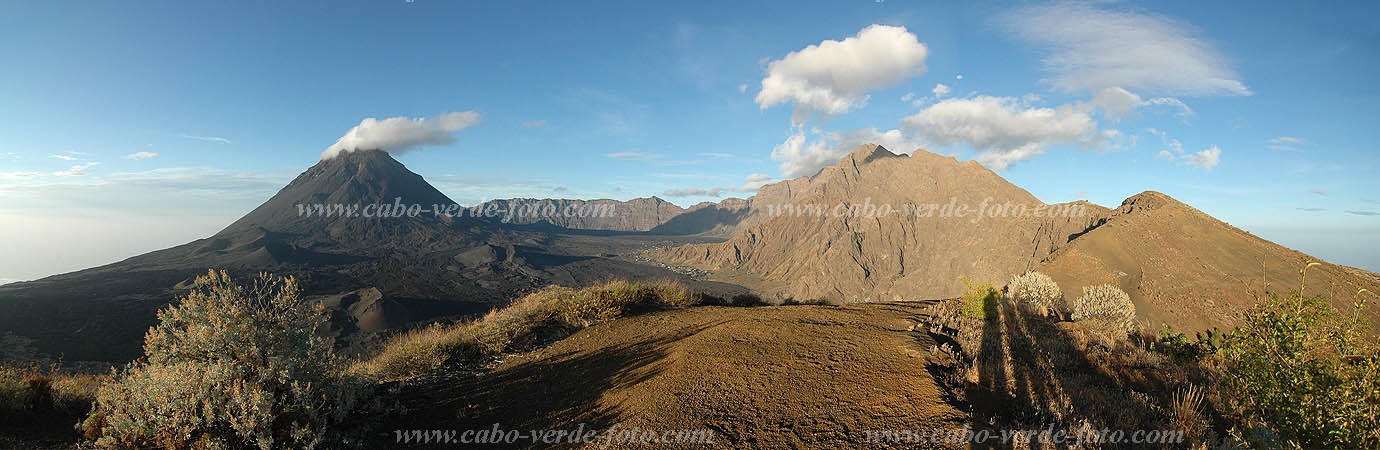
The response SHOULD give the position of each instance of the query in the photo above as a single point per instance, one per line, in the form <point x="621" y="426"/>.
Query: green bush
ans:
<point x="979" y="299"/>
<point x="231" y="366"/>
<point x="1306" y="371"/>
<point x="1037" y="292"/>
<point x="1184" y="349"/>
<point x="1105" y="309"/>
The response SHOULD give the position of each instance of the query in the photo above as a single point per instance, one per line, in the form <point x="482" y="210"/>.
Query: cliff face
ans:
<point x="639" y="214"/>
<point x="830" y="235"/>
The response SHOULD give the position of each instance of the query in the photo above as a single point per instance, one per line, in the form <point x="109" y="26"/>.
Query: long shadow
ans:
<point x="556" y="392"/>
<point x="1034" y="374"/>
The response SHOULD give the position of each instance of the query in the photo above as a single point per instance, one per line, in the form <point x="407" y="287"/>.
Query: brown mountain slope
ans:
<point x="785" y="252"/>
<point x="1190" y="270"/>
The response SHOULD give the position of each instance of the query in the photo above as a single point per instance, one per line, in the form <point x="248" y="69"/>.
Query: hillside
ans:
<point x="1185" y="268"/>
<point x="905" y="255"/>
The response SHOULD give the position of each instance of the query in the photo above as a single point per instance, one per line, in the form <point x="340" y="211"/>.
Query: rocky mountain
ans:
<point x="1180" y="266"/>
<point x="639" y="214"/>
<point x="376" y="273"/>
<point x="712" y="219"/>
<point x="1185" y="268"/>
<point x="814" y="237"/>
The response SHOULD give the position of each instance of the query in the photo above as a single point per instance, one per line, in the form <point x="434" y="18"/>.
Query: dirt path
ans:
<point x="768" y="377"/>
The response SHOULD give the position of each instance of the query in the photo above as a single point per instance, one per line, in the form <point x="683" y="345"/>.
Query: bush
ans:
<point x="1307" y="372"/>
<point x="231" y="366"/>
<point x="979" y="299"/>
<point x="534" y="320"/>
<point x="1037" y="292"/>
<point x="1105" y="309"/>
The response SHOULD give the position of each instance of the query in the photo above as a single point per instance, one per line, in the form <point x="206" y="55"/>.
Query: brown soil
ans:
<point x="766" y="377"/>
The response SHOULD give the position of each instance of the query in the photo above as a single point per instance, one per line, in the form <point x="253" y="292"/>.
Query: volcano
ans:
<point x="377" y="274"/>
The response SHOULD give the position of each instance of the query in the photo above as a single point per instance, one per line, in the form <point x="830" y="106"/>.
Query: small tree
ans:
<point x="1107" y="309"/>
<point x="230" y="366"/>
<point x="1037" y="292"/>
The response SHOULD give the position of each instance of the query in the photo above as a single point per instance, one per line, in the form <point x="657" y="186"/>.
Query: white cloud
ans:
<point x="1286" y="143"/>
<point x="77" y="170"/>
<point x="718" y="155"/>
<point x="18" y="175"/>
<point x="940" y="90"/>
<point x="633" y="156"/>
<point x="742" y="88"/>
<point x="1202" y="159"/>
<point x="908" y="97"/>
<point x="1172" y="143"/>
<point x="1205" y="159"/>
<point x="141" y="155"/>
<point x="63" y="157"/>
<point x="834" y="77"/>
<point x="1318" y="191"/>
<point x="1089" y="49"/>
<point x="400" y="134"/>
<point x="802" y="155"/>
<point x="755" y="181"/>
<point x="1003" y="131"/>
<point x="694" y="192"/>
<point x="1115" y="103"/>
<point x="220" y="140"/>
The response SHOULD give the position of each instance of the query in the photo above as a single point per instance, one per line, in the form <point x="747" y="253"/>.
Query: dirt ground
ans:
<point x="765" y="377"/>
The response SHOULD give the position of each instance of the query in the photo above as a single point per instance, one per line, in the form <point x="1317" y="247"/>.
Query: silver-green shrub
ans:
<point x="1107" y="309"/>
<point x="1038" y="292"/>
<point x="231" y="366"/>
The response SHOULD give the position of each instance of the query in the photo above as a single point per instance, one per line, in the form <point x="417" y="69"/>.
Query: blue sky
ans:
<point x="132" y="127"/>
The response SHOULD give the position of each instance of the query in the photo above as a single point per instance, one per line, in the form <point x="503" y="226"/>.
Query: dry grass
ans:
<point x="529" y="322"/>
<point x="38" y="388"/>
<point x="1186" y="411"/>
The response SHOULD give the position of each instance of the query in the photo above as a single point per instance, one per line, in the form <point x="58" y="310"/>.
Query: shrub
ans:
<point x="1307" y="372"/>
<point x="1037" y="292"/>
<point x="230" y="366"/>
<point x="978" y="299"/>
<point x="1183" y="349"/>
<point x="1105" y="309"/>
<point x="529" y="322"/>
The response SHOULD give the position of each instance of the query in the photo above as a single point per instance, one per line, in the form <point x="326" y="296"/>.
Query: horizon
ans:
<point x="158" y="126"/>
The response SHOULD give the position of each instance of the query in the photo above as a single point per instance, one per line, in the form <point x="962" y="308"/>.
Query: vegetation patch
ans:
<point x="529" y="322"/>
<point x="232" y="366"/>
<point x="1106" y="309"/>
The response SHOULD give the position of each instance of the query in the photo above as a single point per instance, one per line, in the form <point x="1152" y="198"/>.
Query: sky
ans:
<point x="129" y="127"/>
